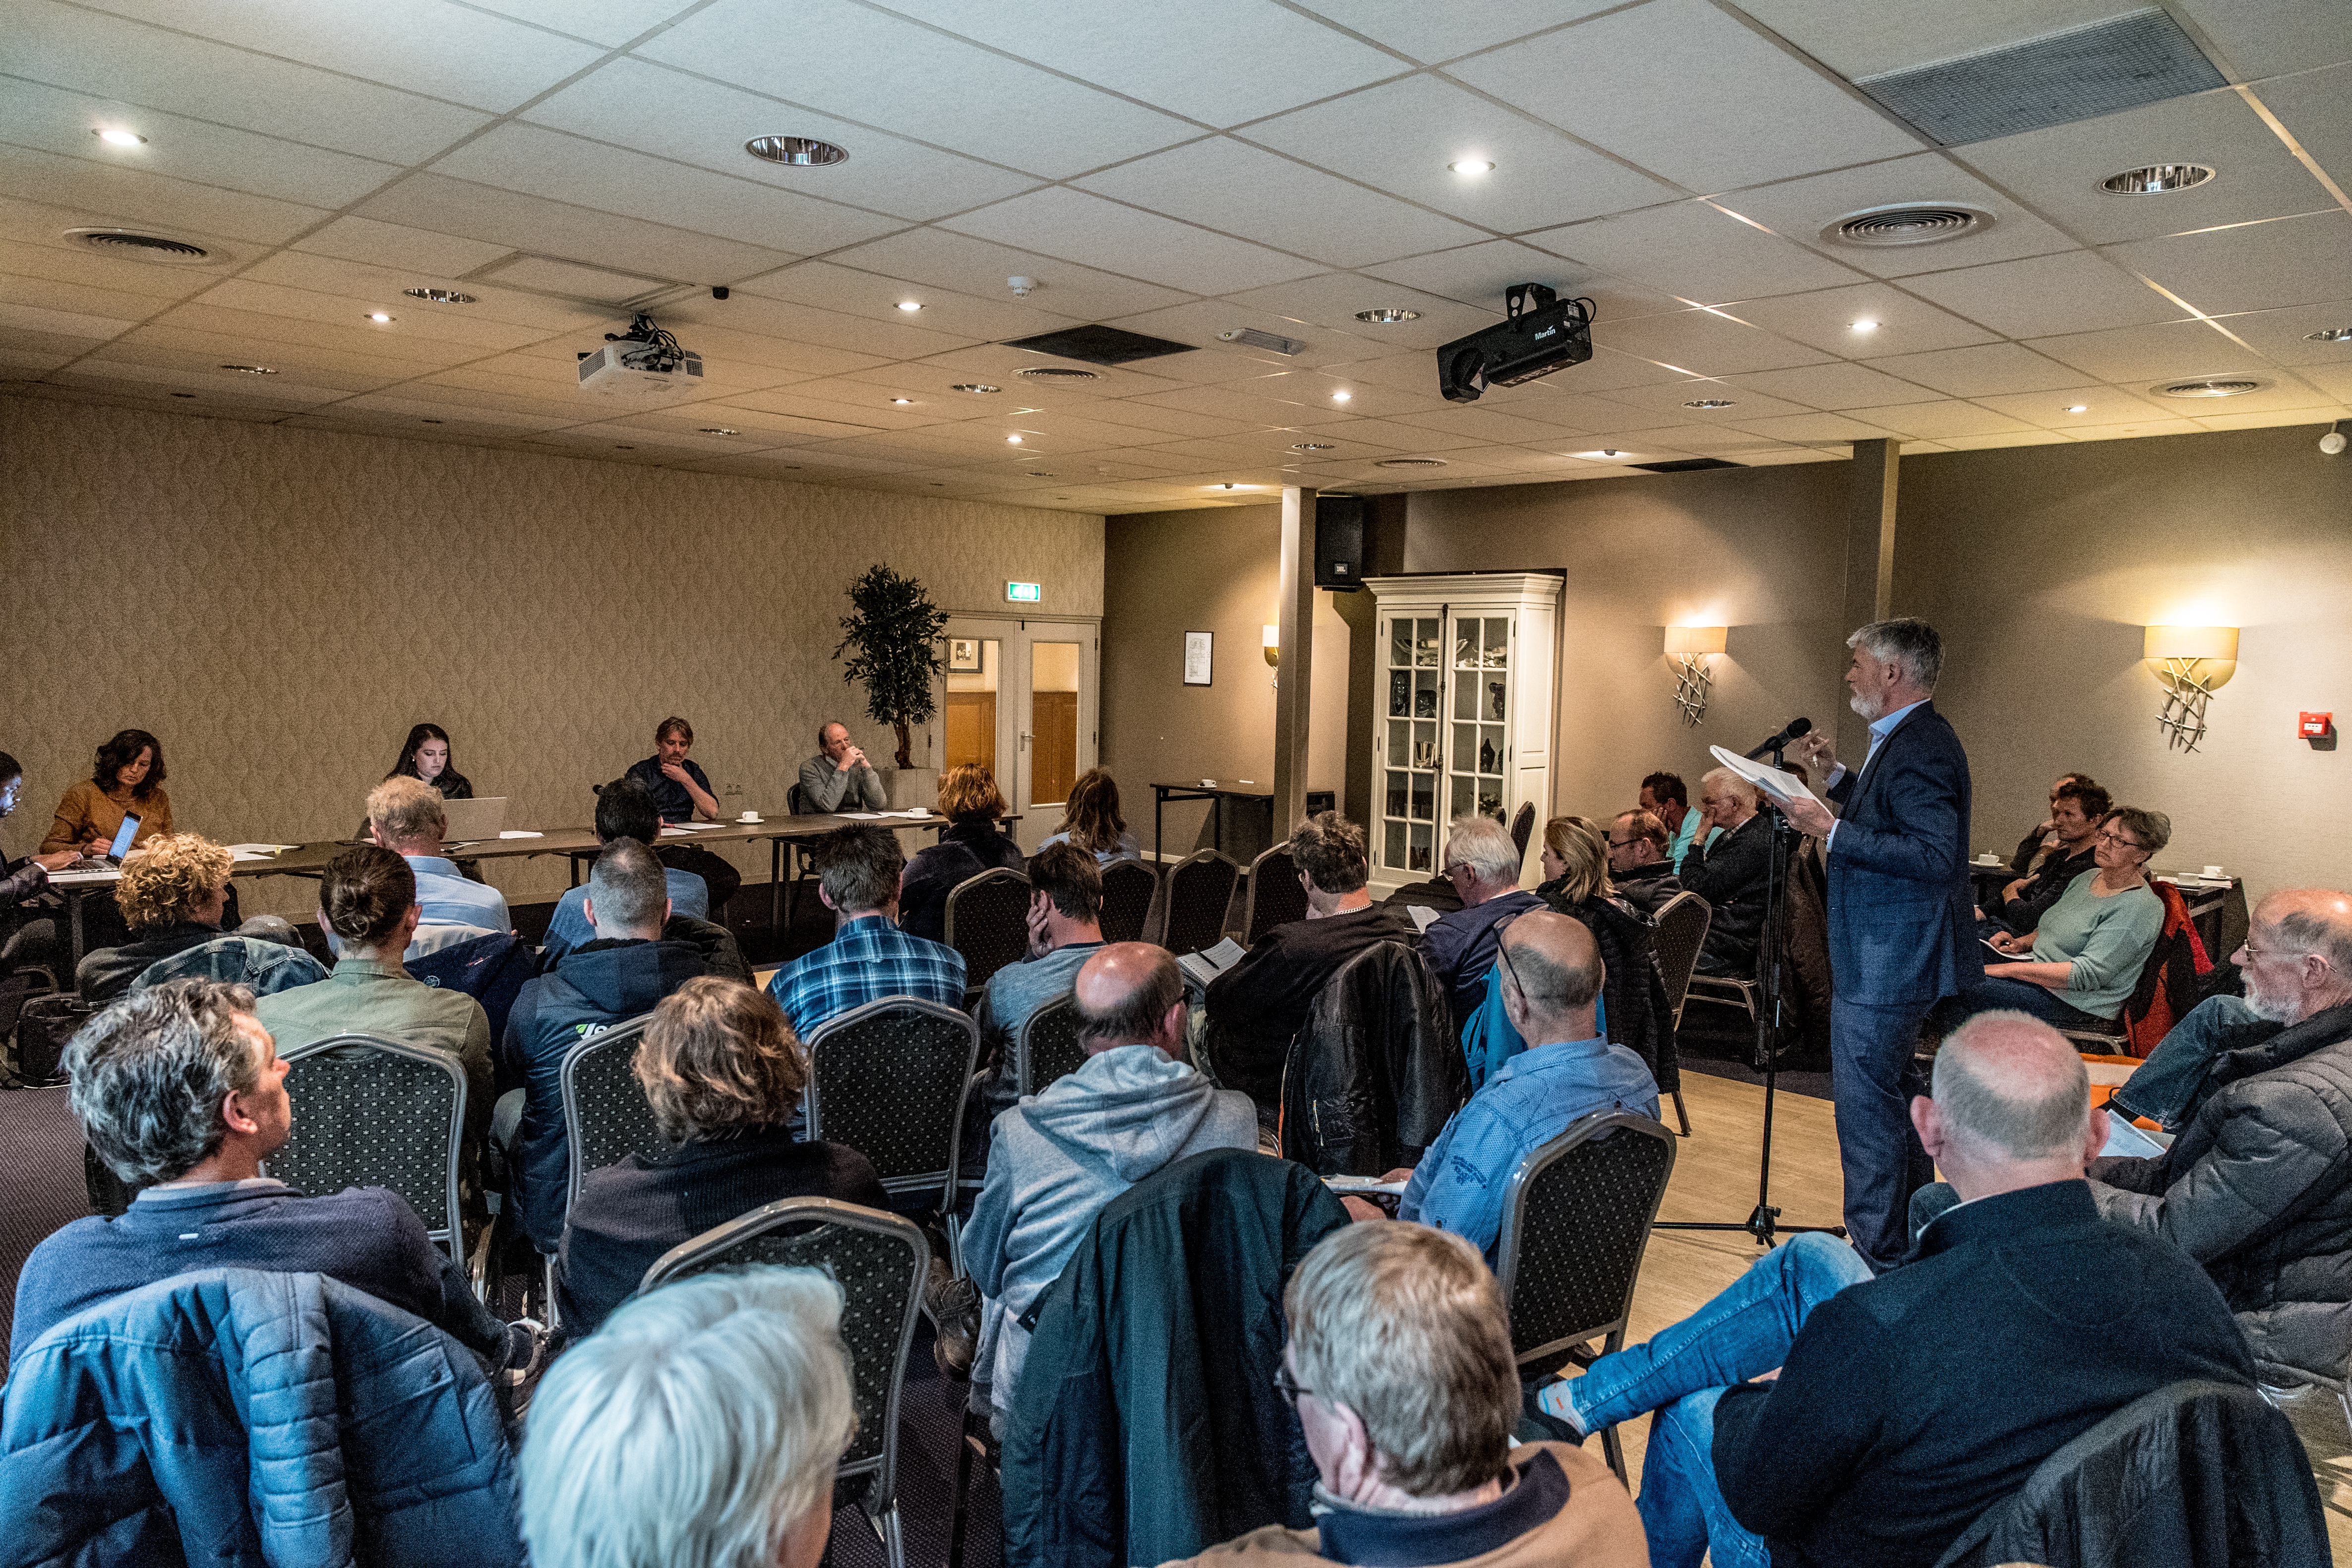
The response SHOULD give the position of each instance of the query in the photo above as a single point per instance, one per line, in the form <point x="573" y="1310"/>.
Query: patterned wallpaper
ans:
<point x="279" y="606"/>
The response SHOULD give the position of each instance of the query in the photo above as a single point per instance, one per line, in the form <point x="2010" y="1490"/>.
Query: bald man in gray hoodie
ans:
<point x="1055" y="1159"/>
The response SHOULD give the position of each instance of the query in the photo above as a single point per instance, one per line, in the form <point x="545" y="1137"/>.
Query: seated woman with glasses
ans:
<point x="723" y="1074"/>
<point x="2081" y="964"/>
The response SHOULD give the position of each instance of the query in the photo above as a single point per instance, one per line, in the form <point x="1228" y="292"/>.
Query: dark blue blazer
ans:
<point x="1902" y="911"/>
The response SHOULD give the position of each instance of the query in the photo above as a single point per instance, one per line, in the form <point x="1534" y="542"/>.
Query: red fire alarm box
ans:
<point x="2314" y="726"/>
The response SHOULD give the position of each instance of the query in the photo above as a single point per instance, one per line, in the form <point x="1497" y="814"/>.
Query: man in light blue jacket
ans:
<point x="1057" y="1158"/>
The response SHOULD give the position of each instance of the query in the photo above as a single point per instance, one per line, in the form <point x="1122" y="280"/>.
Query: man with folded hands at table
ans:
<point x="682" y="793"/>
<point x="839" y="778"/>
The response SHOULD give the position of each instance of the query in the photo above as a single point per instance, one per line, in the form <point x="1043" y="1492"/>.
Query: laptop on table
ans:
<point x="111" y="860"/>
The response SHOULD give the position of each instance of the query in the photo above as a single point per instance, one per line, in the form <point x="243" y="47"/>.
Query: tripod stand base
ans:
<point x="1763" y="1223"/>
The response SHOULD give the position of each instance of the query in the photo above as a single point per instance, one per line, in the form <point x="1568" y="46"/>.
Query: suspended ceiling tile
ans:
<point x="1673" y="398"/>
<point x="259" y="329"/>
<point x="156" y="200"/>
<point x="1985" y="371"/>
<point x="1401" y="136"/>
<point x="2317" y="109"/>
<point x="607" y="22"/>
<point x="1867" y="38"/>
<point x="1332" y="300"/>
<point x="2318" y="418"/>
<point x="1093" y="232"/>
<point x="2100" y="406"/>
<point x="1478" y="275"/>
<point x="2067" y="292"/>
<point x="894" y="73"/>
<point x="2136" y="432"/>
<point x="2284" y="393"/>
<point x="1257" y="195"/>
<point x="2172" y="351"/>
<point x="1817" y="427"/>
<point x="396" y="246"/>
<point x="2025" y="438"/>
<point x="383" y="288"/>
<point x="1937" y="421"/>
<point x="1838" y="386"/>
<point x="1610" y="370"/>
<point x="575" y="233"/>
<point x="1700" y="342"/>
<point x="1825" y="319"/>
<point x="1391" y="436"/>
<point x="35" y="247"/>
<point x="2285" y="336"/>
<point x="441" y="412"/>
<point x="15" y="317"/>
<point x="1680" y="88"/>
<point x="1800" y="210"/>
<point x="1693" y="250"/>
<point x="1480" y="422"/>
<point x="2272" y="37"/>
<point x="864" y="296"/>
<point x="1202" y="322"/>
<point x="2259" y="267"/>
<point x="1432" y="33"/>
<point x="347" y="317"/>
<point x="76" y="298"/>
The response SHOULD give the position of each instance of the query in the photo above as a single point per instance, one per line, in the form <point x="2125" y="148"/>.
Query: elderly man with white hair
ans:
<point x="1399" y="1367"/>
<point x="1483" y="864"/>
<point x="1904" y="1405"/>
<point x="702" y="1424"/>
<point x="1730" y="874"/>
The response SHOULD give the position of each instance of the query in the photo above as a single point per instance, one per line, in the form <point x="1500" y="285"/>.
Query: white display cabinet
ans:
<point x="1464" y="705"/>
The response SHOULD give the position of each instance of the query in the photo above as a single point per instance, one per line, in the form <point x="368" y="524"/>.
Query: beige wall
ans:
<point x="1215" y="571"/>
<point x="2043" y="565"/>
<point x="278" y="606"/>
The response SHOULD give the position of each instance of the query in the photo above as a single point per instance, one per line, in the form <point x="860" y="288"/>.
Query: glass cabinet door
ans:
<point x="1477" y="749"/>
<point x="1413" y="744"/>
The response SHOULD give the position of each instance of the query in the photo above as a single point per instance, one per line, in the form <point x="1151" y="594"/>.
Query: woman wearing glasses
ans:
<point x="2080" y="966"/>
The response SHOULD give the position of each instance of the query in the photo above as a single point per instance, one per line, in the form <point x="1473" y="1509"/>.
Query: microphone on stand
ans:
<point x="1796" y="727"/>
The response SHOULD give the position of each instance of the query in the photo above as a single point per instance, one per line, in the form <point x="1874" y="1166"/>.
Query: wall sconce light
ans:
<point x="2191" y="663"/>
<point x="1270" y="638"/>
<point x="1690" y="647"/>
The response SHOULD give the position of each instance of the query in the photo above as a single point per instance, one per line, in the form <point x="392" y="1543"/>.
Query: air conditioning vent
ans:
<point x="2076" y="73"/>
<point x="140" y="246"/>
<point x="1882" y="226"/>
<point x="1409" y="463"/>
<point x="1685" y="465"/>
<point x="1099" y="344"/>
<point x="2212" y="386"/>
<point x="1056" y="373"/>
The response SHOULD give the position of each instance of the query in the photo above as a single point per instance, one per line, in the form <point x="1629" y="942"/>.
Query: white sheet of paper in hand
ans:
<point x="1783" y="787"/>
<point x="1424" y="917"/>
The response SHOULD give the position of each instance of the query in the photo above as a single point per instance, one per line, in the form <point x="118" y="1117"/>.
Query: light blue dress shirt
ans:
<point x="448" y="898"/>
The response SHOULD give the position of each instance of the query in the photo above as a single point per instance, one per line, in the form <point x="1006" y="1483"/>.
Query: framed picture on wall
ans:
<point x="963" y="656"/>
<point x="1196" y="658"/>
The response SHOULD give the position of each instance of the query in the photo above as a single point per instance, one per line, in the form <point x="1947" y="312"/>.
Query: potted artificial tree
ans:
<point x="894" y="630"/>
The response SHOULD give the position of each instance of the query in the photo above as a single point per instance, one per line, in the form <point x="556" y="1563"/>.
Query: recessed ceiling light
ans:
<point x="250" y="369"/>
<point x="800" y="151"/>
<point x="979" y="387"/>
<point x="1341" y="396"/>
<point x="2156" y="179"/>
<point x="1864" y="325"/>
<point x="1310" y="445"/>
<point x="1013" y="441"/>
<point x="1605" y="452"/>
<point x="1388" y="316"/>
<point x="719" y="430"/>
<point x="910" y="305"/>
<point x="378" y="317"/>
<point x="2078" y="409"/>
<point x="1709" y="403"/>
<point x="113" y="138"/>
<point x="2329" y="335"/>
<point x="439" y="296"/>
<point x="903" y="402"/>
<point x="1471" y="166"/>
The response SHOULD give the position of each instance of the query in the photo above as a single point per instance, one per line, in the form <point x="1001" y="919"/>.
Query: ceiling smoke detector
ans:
<point x="2156" y="179"/>
<point x="796" y="152"/>
<point x="980" y="388"/>
<point x="1908" y="224"/>
<point x="439" y="296"/>
<point x="1056" y="373"/>
<point x="1387" y="316"/>
<point x="1409" y="463"/>
<point x="2212" y="386"/>
<point x="140" y="246"/>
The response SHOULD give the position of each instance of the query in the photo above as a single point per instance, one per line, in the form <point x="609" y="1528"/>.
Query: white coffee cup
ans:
<point x="749" y="817"/>
<point x="1208" y="783"/>
<point x="2212" y="870"/>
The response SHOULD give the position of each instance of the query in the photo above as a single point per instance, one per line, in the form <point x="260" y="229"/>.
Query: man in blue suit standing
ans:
<point x="1902" y="922"/>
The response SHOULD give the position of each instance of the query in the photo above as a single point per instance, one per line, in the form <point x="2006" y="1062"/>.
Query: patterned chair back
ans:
<point x="1200" y="886"/>
<point x="988" y="923"/>
<point x="889" y="1080"/>
<point x="1576" y="1220"/>
<point x="377" y="1112"/>
<point x="1680" y="930"/>
<point x="605" y="1117"/>
<point x="1128" y="889"/>
<point x="1276" y="897"/>
<point x="1048" y="1046"/>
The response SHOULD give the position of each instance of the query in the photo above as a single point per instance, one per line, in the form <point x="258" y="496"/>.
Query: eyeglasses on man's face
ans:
<point x="1623" y="842"/>
<point x="1287" y="1385"/>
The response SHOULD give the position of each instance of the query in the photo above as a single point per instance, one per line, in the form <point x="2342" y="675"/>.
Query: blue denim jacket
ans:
<point x="267" y="967"/>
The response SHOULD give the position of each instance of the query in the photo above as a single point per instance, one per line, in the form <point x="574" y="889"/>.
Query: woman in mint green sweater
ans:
<point x="2079" y="967"/>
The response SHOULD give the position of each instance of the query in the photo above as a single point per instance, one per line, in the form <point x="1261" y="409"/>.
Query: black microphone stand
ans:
<point x="1763" y="1223"/>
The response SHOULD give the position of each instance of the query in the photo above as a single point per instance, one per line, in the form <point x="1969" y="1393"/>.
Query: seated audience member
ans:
<point x="969" y="844"/>
<point x="682" y="793"/>
<point x="1634" y="1011"/>
<point x="702" y="1426"/>
<point x="1399" y="1368"/>
<point x="1667" y="798"/>
<point x="1730" y="875"/>
<point x="839" y="778"/>
<point x="128" y="781"/>
<point x="1907" y="1404"/>
<point x="625" y="809"/>
<point x="622" y="975"/>
<point x="182" y="1093"/>
<point x="1091" y="820"/>
<point x="22" y="941"/>
<point x="1065" y="899"/>
<point x="425" y="756"/>
<point x="1055" y="1159"/>
<point x="174" y="896"/>
<point x="2074" y="817"/>
<point x="2035" y="846"/>
<point x="724" y="1076"/>
<point x="2086" y="955"/>
<point x="405" y="816"/>
<point x="869" y="957"/>
<point x="1483" y="864"/>
<point x="2257" y="1187"/>
<point x="1552" y="973"/>
<point x="368" y="899"/>
<point x="1641" y="868"/>
<point x="1256" y="1006"/>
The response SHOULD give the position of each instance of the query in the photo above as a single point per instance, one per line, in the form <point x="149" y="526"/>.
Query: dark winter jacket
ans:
<point x="1647" y="888"/>
<point x="1373" y="1077"/>
<point x="967" y="846"/>
<point x="1633" y="995"/>
<point x="235" y="1418"/>
<point x="1731" y="880"/>
<point x="21" y="880"/>
<point x="2258" y="1188"/>
<point x="1187" y="1268"/>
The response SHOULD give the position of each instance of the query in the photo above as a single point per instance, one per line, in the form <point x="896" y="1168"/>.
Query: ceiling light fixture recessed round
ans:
<point x="1310" y="445"/>
<point x="114" y="138"/>
<point x="439" y="296"/>
<point x="142" y="247"/>
<point x="1471" y="166"/>
<point x="2156" y="179"/>
<point x="1388" y="316"/>
<point x="379" y="317"/>
<point x="910" y="305"/>
<point x="797" y="151"/>
<point x="2329" y="335"/>
<point x="1013" y="440"/>
<point x="2076" y="408"/>
<point x="1056" y="373"/>
<point x="250" y="369"/>
<point x="1709" y="403"/>
<point x="979" y="388"/>
<point x="1908" y="222"/>
<point x="2210" y="386"/>
<point x="1409" y="463"/>
<point x="1341" y="396"/>
<point x="719" y="430"/>
<point x="1864" y="325"/>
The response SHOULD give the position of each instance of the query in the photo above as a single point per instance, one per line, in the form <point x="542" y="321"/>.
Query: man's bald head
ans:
<point x="1552" y="962"/>
<point x="1132" y="992"/>
<point x="2298" y="955"/>
<point x="2012" y="1088"/>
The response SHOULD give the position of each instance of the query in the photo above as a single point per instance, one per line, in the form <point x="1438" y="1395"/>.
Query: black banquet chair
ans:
<point x="1198" y="888"/>
<point x="1047" y="1046"/>
<point x="378" y="1112"/>
<point x="988" y="923"/>
<point x="1128" y="887"/>
<point x="889" y="1080"/>
<point x="1576" y="1220"/>
<point x="605" y="1117"/>
<point x="1679" y="933"/>
<point x="879" y="1260"/>
<point x="1276" y="897"/>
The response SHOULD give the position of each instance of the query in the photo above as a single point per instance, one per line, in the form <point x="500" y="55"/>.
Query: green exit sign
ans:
<point x="1024" y="592"/>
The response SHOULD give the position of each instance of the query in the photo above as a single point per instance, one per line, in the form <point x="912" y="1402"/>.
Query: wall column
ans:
<point x="1869" y="561"/>
<point x="1294" y="676"/>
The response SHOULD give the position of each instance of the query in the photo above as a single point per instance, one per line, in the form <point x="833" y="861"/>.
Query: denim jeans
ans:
<point x="2161" y="1087"/>
<point x="1745" y="1331"/>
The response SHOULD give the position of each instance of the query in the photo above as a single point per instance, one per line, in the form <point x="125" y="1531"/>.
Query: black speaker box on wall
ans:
<point x="1338" y="542"/>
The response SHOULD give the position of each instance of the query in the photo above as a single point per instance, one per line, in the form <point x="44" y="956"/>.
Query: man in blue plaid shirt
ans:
<point x="869" y="957"/>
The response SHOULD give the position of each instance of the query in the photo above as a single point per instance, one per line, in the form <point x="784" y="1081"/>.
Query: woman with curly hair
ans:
<point x="970" y="845"/>
<point x="724" y="1073"/>
<point x="127" y="781"/>
<point x="172" y="895"/>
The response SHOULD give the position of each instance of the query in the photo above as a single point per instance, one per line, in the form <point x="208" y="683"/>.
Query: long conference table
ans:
<point x="576" y="844"/>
